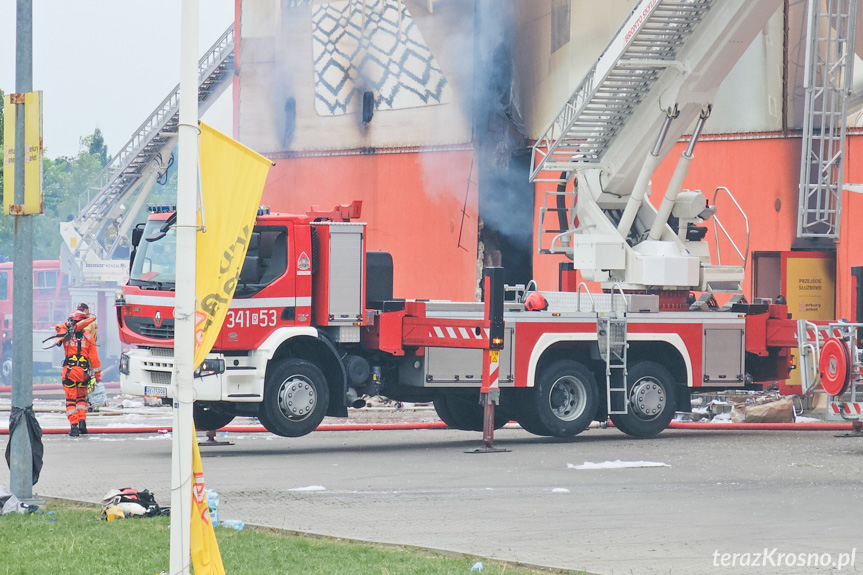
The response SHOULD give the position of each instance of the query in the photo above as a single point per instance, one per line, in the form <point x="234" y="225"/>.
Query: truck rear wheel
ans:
<point x="562" y="403"/>
<point x="652" y="400"/>
<point x="463" y="411"/>
<point x="295" y="398"/>
<point x="208" y="418"/>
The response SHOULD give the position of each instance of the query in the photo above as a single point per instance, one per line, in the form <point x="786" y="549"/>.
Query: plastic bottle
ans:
<point x="233" y="524"/>
<point x="213" y="505"/>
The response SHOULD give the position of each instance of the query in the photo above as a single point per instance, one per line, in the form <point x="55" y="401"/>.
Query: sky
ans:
<point x="107" y="64"/>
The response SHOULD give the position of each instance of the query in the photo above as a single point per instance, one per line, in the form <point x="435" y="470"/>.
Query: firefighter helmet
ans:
<point x="78" y="315"/>
<point x="535" y="302"/>
<point x="78" y="321"/>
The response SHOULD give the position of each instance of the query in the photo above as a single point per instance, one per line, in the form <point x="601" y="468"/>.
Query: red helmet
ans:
<point x="535" y="302"/>
<point x="78" y="315"/>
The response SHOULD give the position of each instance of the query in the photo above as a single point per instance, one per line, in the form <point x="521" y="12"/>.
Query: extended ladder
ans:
<point x="120" y="178"/>
<point x="625" y="73"/>
<point x="827" y="81"/>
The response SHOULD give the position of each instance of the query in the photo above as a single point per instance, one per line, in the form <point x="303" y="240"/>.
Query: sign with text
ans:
<point x="809" y="280"/>
<point x="32" y="102"/>
<point x="810" y="283"/>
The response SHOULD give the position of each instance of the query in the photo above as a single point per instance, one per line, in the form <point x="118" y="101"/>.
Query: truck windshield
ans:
<point x="265" y="261"/>
<point x="155" y="261"/>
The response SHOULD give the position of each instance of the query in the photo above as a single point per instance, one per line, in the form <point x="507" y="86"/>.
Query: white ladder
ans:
<point x="611" y="91"/>
<point x="611" y="338"/>
<point x="119" y="179"/>
<point x="827" y="81"/>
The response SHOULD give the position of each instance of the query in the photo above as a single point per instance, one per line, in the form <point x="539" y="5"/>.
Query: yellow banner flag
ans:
<point x="32" y="153"/>
<point x="232" y="181"/>
<point x="203" y="546"/>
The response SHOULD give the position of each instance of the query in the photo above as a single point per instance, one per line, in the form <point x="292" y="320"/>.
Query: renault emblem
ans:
<point x="157" y="319"/>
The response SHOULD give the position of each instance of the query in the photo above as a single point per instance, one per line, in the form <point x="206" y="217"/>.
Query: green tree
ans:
<point x="66" y="190"/>
<point x="95" y="145"/>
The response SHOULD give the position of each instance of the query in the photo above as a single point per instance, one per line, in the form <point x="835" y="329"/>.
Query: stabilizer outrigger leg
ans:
<point x="490" y="391"/>
<point x="856" y="430"/>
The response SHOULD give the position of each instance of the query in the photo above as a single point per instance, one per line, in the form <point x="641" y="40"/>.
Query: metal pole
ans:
<point x="184" y="308"/>
<point x="21" y="452"/>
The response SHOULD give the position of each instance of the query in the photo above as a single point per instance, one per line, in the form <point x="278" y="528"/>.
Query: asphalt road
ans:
<point x="722" y="492"/>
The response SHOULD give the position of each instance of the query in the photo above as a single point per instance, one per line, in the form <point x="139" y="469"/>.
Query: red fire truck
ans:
<point x="51" y="304"/>
<point x="313" y="326"/>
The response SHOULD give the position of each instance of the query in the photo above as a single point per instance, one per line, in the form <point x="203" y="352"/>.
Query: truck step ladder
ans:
<point x="611" y="338"/>
<point x="827" y="80"/>
<point x="611" y="91"/>
<point x="121" y="177"/>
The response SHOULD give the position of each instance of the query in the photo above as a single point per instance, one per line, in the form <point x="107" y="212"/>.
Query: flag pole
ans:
<point x="184" y="308"/>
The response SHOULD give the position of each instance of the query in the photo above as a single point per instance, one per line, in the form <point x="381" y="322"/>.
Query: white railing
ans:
<point x="718" y="226"/>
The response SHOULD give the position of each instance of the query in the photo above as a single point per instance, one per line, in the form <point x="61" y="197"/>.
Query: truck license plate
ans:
<point x="154" y="391"/>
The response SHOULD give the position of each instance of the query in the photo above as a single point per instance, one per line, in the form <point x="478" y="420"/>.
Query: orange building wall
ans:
<point x="412" y="203"/>
<point x="763" y="175"/>
<point x="850" y="249"/>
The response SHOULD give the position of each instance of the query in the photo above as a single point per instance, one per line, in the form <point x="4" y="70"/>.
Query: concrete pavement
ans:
<point x="723" y="492"/>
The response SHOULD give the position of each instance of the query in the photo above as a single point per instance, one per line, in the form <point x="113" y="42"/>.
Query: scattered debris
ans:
<point x="9" y="503"/>
<point x="748" y="406"/>
<point x="616" y="464"/>
<point x="764" y="410"/>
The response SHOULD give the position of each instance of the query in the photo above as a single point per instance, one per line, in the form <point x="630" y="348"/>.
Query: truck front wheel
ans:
<point x="208" y="418"/>
<point x="295" y="398"/>
<point x="652" y="400"/>
<point x="562" y="403"/>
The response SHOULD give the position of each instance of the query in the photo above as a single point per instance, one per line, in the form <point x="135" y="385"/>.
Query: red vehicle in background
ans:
<point x="51" y="304"/>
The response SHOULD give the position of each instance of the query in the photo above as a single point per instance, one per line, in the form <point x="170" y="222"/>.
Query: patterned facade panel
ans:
<point x="372" y="46"/>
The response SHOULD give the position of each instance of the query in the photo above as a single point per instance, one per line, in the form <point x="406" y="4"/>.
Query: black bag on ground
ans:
<point x="129" y="495"/>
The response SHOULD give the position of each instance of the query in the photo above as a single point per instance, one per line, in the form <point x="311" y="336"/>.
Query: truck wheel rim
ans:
<point x="567" y="398"/>
<point x="6" y="368"/>
<point x="647" y="398"/>
<point x="297" y="397"/>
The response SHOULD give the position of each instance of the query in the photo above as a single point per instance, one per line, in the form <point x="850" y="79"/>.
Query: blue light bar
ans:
<point x="161" y="208"/>
<point x="264" y="210"/>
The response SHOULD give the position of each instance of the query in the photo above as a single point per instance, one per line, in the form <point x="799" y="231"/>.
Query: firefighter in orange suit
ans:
<point x="80" y="366"/>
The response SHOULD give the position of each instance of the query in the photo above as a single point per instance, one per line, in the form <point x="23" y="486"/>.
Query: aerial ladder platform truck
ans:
<point x="314" y="326"/>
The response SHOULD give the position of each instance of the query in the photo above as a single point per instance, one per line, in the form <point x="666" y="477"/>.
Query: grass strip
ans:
<point x="69" y="538"/>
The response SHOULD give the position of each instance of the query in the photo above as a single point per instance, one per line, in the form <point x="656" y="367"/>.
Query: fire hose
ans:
<point x="823" y="426"/>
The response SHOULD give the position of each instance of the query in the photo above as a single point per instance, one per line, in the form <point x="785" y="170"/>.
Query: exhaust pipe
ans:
<point x="352" y="399"/>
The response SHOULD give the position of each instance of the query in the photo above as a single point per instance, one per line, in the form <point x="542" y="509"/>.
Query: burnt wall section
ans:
<point x="505" y="194"/>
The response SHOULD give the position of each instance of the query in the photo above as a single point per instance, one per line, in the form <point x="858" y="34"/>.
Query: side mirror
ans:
<point x="137" y="234"/>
